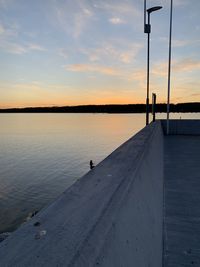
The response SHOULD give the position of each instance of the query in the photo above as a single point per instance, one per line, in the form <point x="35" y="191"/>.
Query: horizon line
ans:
<point x="88" y="105"/>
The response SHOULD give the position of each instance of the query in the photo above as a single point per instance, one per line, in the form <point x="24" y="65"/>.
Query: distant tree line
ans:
<point x="130" y="108"/>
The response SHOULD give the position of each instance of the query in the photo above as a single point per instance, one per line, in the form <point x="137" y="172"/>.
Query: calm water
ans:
<point x="43" y="154"/>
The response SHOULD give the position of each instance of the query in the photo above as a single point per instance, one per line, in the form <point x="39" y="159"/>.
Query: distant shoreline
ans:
<point x="115" y="108"/>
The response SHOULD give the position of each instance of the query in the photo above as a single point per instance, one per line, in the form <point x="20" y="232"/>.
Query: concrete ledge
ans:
<point x="112" y="216"/>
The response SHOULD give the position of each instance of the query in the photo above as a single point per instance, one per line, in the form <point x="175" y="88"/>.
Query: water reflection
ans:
<point x="43" y="154"/>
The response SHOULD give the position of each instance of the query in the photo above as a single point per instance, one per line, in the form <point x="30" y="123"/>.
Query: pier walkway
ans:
<point x="182" y="200"/>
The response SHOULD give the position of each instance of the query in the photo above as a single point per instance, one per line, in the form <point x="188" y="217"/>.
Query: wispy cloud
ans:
<point x="128" y="75"/>
<point x="195" y="95"/>
<point x="185" y="90"/>
<point x="77" y="16"/>
<point x="63" y="53"/>
<point x="178" y="66"/>
<point x="160" y="69"/>
<point x="181" y="42"/>
<point x="36" y="47"/>
<point x="118" y="7"/>
<point x="9" y="41"/>
<point x="113" y="51"/>
<point x="186" y="65"/>
<point x="9" y="31"/>
<point x="15" y="48"/>
<point x="80" y="21"/>
<point x="93" y="68"/>
<point x="116" y="21"/>
<point x="73" y="17"/>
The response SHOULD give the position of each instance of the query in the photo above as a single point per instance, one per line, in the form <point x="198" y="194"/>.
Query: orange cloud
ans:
<point x="92" y="68"/>
<point x="184" y="65"/>
<point x="138" y="75"/>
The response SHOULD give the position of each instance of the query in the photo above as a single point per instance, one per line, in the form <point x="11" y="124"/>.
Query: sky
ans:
<point x="64" y="52"/>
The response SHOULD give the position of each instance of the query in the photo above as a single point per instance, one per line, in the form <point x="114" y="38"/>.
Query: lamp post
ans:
<point x="169" y="66"/>
<point x="147" y="29"/>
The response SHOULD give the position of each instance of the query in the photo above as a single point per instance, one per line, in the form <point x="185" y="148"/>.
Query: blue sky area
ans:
<point x="63" y="52"/>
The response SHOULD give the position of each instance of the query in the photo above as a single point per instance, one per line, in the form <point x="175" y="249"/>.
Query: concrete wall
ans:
<point x="110" y="217"/>
<point x="182" y="127"/>
<point x="135" y="239"/>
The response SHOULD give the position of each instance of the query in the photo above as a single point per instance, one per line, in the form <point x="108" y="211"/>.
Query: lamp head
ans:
<point x="154" y="8"/>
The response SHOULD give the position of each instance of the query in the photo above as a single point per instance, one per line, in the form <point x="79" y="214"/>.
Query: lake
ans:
<point x="43" y="154"/>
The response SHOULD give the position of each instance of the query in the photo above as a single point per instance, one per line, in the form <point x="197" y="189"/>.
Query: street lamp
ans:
<point x="147" y="29"/>
<point x="169" y="66"/>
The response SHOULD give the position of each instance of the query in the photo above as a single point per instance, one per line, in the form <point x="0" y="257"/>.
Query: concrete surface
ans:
<point x="111" y="217"/>
<point x="182" y="200"/>
<point x="182" y="127"/>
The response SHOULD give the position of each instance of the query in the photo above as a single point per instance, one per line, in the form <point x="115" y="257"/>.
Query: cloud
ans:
<point x="114" y="57"/>
<point x="113" y="51"/>
<point x="185" y="90"/>
<point x="15" y="48"/>
<point x="160" y="69"/>
<point x="72" y="17"/>
<point x="36" y="47"/>
<point x="92" y="68"/>
<point x="118" y="7"/>
<point x="9" y="31"/>
<point x="9" y="41"/>
<point x="63" y="53"/>
<point x="138" y="75"/>
<point x="186" y="65"/>
<point x="116" y="21"/>
<point x="179" y="66"/>
<point x="80" y="21"/>
<point x="127" y="56"/>
<point x="181" y="43"/>
<point x="75" y="17"/>
<point x="130" y="75"/>
<point x="195" y="95"/>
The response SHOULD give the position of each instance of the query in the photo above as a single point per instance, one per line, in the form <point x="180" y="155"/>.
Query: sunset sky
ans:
<point x="72" y="52"/>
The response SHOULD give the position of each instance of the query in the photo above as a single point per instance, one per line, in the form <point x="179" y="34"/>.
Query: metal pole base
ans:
<point x="147" y="111"/>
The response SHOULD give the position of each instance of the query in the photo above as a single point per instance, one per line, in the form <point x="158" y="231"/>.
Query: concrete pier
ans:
<point x="138" y="207"/>
<point x="182" y="200"/>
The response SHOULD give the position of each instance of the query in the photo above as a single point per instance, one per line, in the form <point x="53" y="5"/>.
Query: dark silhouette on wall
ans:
<point x="91" y="165"/>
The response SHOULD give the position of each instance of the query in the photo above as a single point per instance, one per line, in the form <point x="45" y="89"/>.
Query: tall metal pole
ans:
<point x="148" y="56"/>
<point x="145" y="11"/>
<point x="169" y="67"/>
<point x="147" y="29"/>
